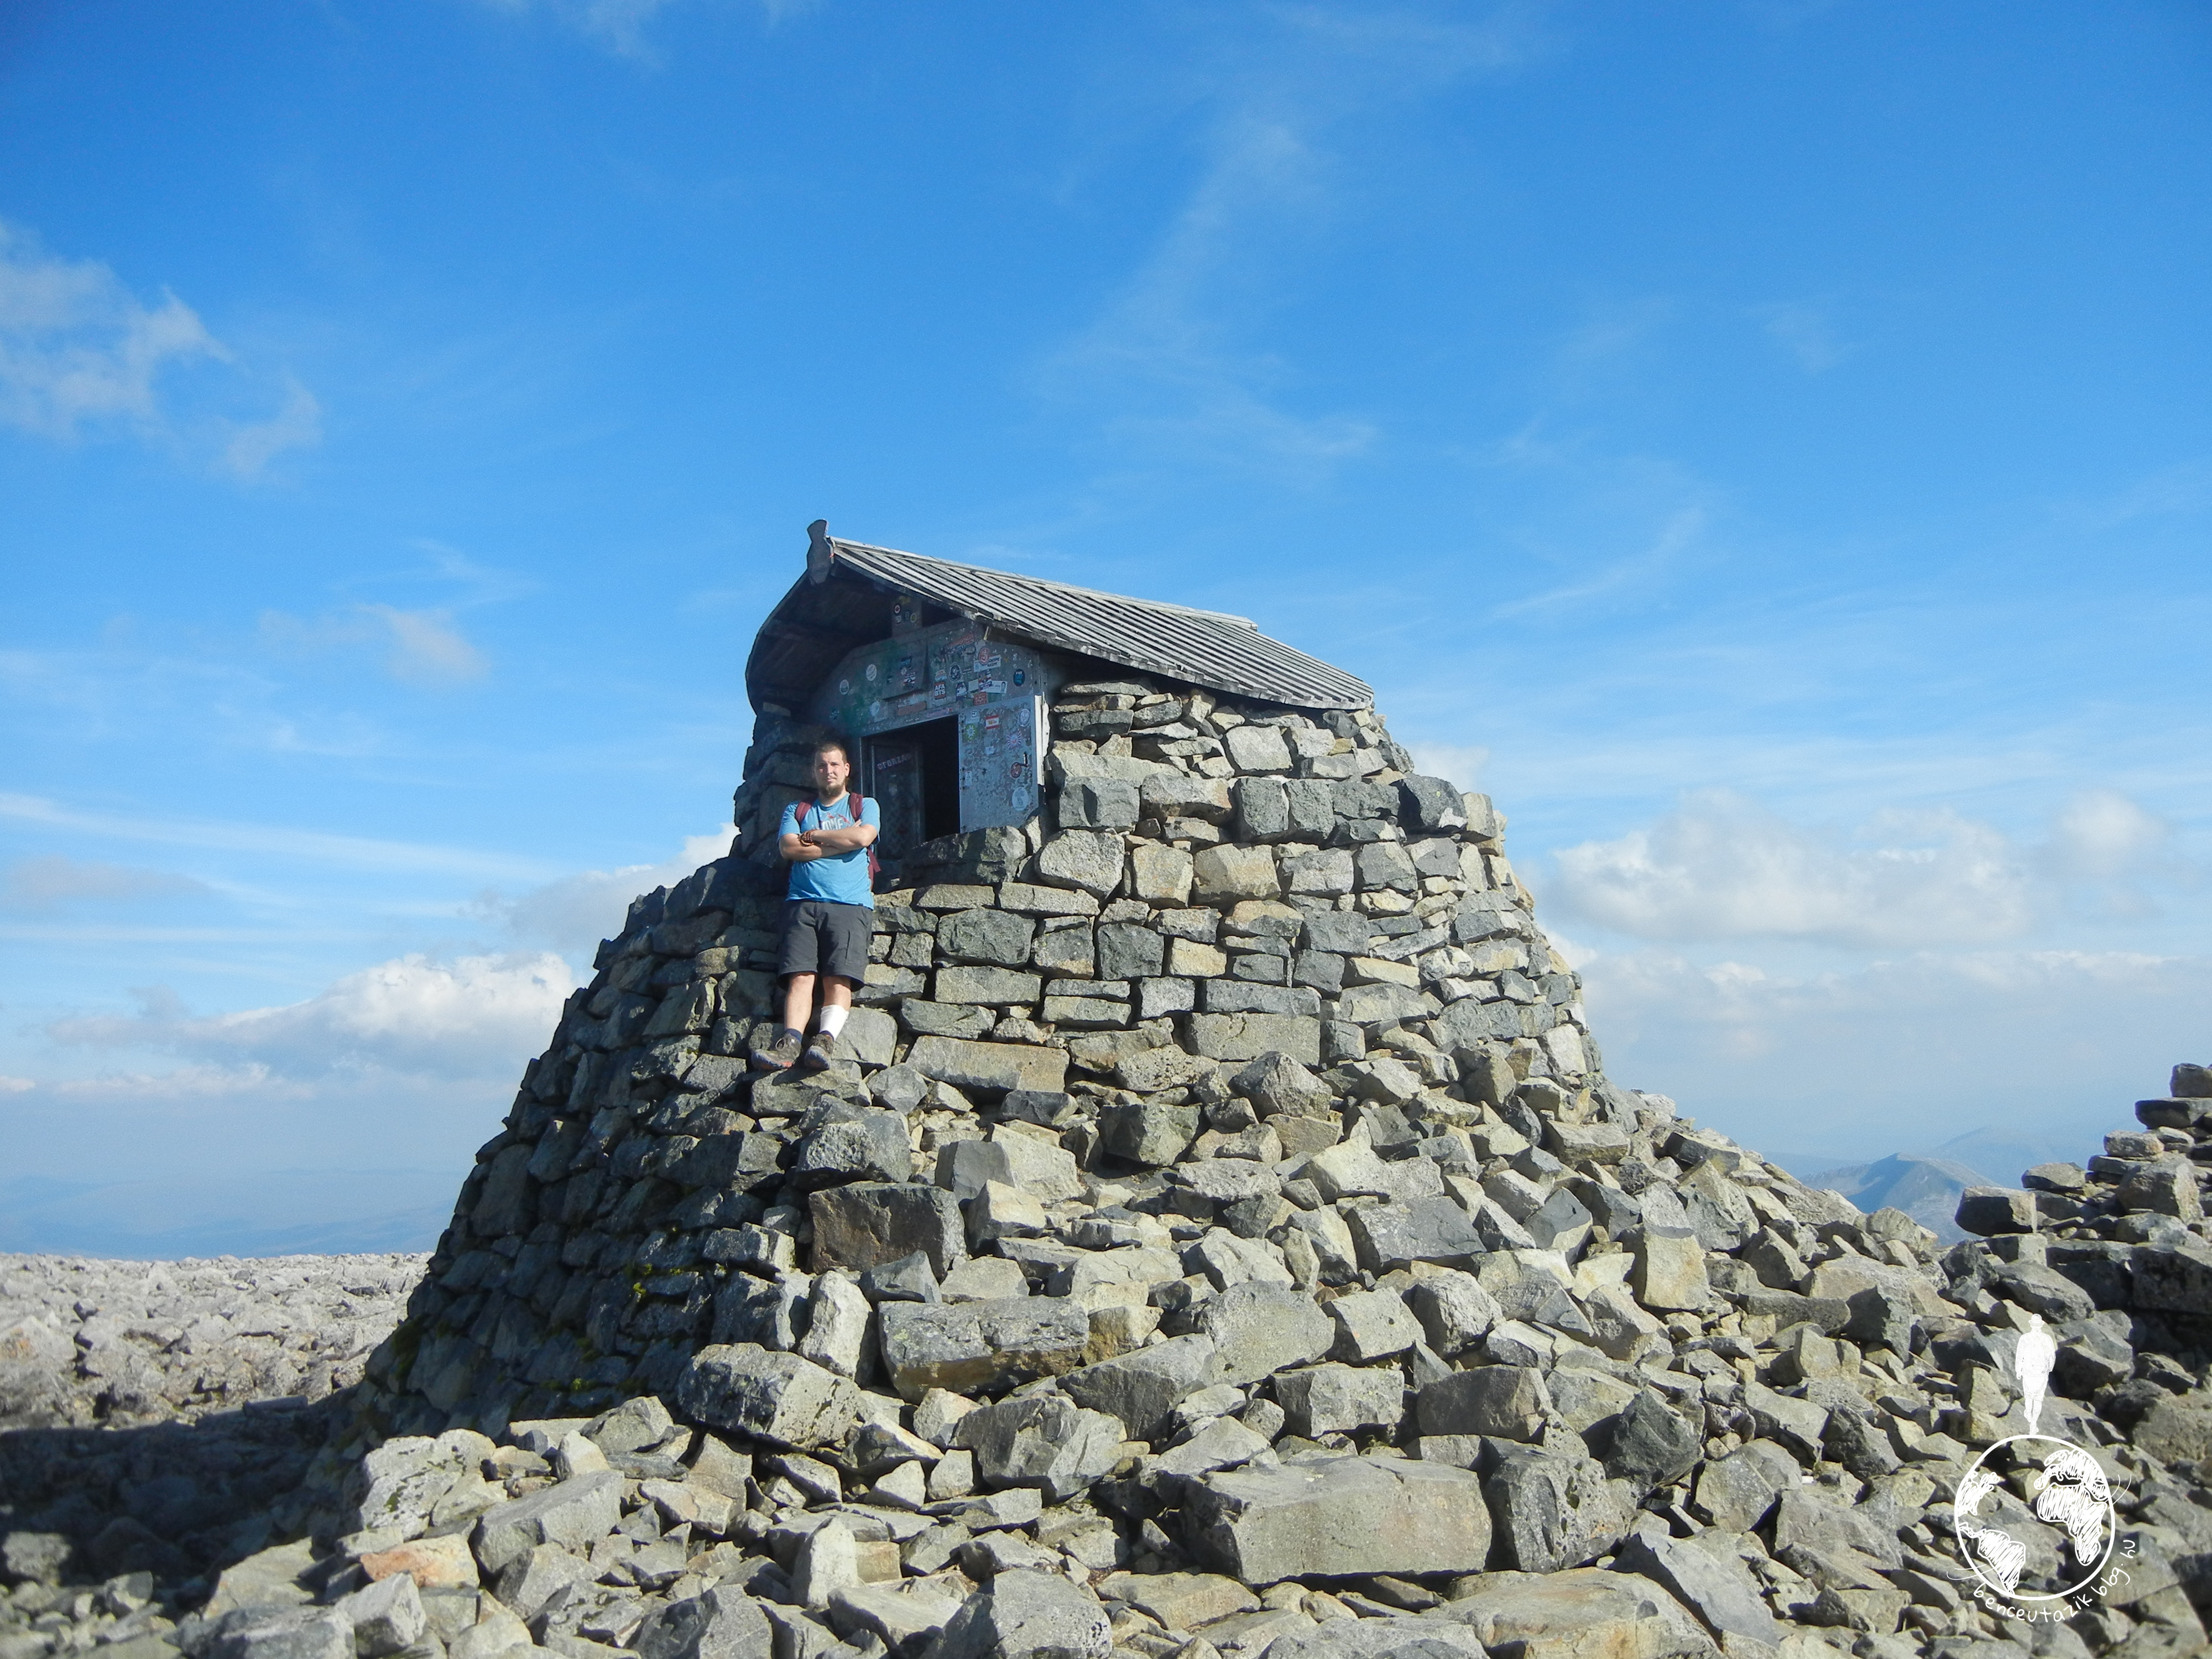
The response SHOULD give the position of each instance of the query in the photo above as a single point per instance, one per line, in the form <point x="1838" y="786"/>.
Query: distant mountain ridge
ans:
<point x="1925" y="1189"/>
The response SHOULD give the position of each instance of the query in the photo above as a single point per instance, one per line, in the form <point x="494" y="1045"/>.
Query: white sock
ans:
<point x="832" y="1021"/>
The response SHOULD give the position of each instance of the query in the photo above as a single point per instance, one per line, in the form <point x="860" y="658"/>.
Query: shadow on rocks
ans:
<point x="179" y="1500"/>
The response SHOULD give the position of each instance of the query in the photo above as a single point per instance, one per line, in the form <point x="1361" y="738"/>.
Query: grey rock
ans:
<point x="870" y="1223"/>
<point x="1551" y="1511"/>
<point x="1991" y="1210"/>
<point x="1148" y="1131"/>
<point x="1026" y="1615"/>
<point x="573" y="1514"/>
<point x="1391" y="1235"/>
<point x="386" y="1616"/>
<point x="1247" y="1036"/>
<point x="1335" y="1399"/>
<point x="1275" y="1083"/>
<point x="972" y="1347"/>
<point x="1043" y="1440"/>
<point x="776" y="1397"/>
<point x="1507" y="1401"/>
<point x="1256" y="1330"/>
<point x="854" y="1145"/>
<point x="1099" y="804"/>
<point x="1335" y="1518"/>
<point x="1706" y="1575"/>
<point x="1455" y="1312"/>
<point x="1372" y="1325"/>
<point x="289" y="1633"/>
<point x="988" y="1068"/>
<point x="1142" y="1389"/>
<point x="722" y="1623"/>
<point x="1126" y="950"/>
<point x="1651" y="1443"/>
<point x="527" y="1584"/>
<point x="1736" y="1492"/>
<point x="911" y="1279"/>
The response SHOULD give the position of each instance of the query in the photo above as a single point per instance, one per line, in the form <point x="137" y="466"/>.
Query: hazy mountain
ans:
<point x="1925" y="1189"/>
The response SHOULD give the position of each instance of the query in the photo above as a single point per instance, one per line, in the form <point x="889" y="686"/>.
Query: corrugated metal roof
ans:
<point x="1203" y="647"/>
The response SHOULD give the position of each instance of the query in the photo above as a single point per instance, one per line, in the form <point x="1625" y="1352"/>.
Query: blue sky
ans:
<point x="1764" y="445"/>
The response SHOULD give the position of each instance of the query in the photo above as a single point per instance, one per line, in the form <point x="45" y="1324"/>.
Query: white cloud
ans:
<point x="1902" y="1054"/>
<point x="573" y="914"/>
<point x="471" y="1017"/>
<point x="426" y="648"/>
<point x="2101" y="833"/>
<point x="81" y="354"/>
<point x="1723" y="867"/>
<point x="1459" y="763"/>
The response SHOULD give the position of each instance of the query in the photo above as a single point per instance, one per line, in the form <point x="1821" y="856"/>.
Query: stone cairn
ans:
<point x="1218" y="1237"/>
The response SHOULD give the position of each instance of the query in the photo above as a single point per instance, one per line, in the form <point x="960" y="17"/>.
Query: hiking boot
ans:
<point x="819" y="1052"/>
<point x="779" y="1055"/>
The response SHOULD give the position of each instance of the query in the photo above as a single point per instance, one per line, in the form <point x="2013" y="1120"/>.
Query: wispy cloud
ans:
<point x="1898" y="1053"/>
<point x="309" y="846"/>
<point x="1723" y="867"/>
<point x="572" y="915"/>
<point x="422" y="648"/>
<point x="1169" y="366"/>
<point x="1806" y="330"/>
<point x="54" y="882"/>
<point x="80" y="355"/>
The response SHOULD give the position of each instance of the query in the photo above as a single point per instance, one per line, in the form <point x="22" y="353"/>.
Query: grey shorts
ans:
<point x="822" y="938"/>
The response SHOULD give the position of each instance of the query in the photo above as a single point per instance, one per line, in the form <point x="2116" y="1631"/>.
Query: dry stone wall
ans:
<point x="1210" y="883"/>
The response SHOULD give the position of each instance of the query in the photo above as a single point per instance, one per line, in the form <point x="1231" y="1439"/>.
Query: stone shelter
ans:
<point x="1138" y="848"/>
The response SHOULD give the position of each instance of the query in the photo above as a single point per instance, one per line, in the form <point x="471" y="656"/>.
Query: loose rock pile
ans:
<point x="1218" y="1237"/>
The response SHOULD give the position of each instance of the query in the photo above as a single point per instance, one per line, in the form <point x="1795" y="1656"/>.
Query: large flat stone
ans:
<point x="574" y="1513"/>
<point x="1142" y="1389"/>
<point x="989" y="1068"/>
<point x="972" y="1347"/>
<point x="1584" y="1613"/>
<point x="1337" y="1517"/>
<point x="777" y="1397"/>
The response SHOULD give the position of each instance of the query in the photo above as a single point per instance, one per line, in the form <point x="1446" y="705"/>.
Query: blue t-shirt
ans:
<point x="842" y="877"/>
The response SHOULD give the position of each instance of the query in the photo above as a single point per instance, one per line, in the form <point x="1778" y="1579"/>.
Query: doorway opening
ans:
<point x="914" y="775"/>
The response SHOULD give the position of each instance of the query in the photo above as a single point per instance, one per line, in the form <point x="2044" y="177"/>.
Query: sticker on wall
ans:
<point x="876" y="710"/>
<point x="1020" y="799"/>
<point x="1020" y="674"/>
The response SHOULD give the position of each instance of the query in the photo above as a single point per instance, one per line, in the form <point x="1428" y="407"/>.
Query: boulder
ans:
<point x="1041" y="1440"/>
<point x="1335" y="1398"/>
<point x="872" y="1223"/>
<point x="1142" y="1389"/>
<point x="574" y="1514"/>
<point x="776" y="1397"/>
<point x="1027" y="1614"/>
<point x="1338" y="1518"/>
<point x="979" y="1347"/>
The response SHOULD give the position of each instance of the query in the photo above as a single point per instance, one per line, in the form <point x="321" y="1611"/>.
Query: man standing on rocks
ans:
<point x="828" y="912"/>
